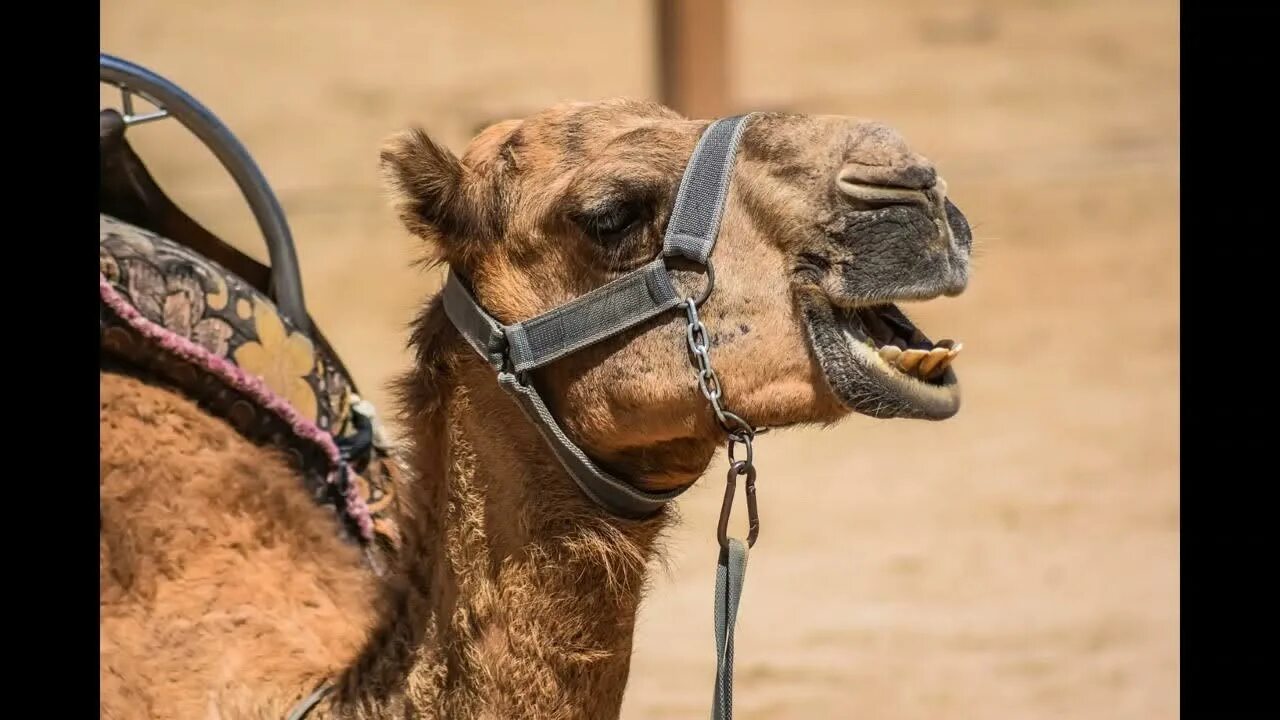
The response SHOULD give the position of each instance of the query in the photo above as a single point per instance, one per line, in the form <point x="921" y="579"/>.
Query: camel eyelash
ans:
<point x="612" y="221"/>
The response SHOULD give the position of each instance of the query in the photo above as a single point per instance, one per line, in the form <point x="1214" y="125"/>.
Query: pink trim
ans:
<point x="250" y="385"/>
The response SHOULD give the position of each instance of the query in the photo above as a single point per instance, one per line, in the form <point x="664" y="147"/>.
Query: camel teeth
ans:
<point x="940" y="368"/>
<point x="931" y="361"/>
<point x="910" y="359"/>
<point x="945" y="363"/>
<point x="890" y="353"/>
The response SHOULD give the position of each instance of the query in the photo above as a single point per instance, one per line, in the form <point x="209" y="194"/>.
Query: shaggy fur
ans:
<point x="227" y="593"/>
<point x="223" y="585"/>
<point x="517" y="597"/>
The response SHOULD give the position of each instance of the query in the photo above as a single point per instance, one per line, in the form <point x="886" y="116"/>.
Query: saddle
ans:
<point x="180" y="306"/>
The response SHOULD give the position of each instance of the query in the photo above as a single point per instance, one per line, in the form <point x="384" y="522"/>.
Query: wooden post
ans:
<point x="693" y="57"/>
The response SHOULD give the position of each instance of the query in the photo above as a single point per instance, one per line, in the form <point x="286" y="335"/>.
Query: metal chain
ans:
<point x="732" y="566"/>
<point x="708" y="381"/>
<point x="740" y="431"/>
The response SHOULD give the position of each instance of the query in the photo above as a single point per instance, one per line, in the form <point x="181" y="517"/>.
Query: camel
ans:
<point x="227" y="593"/>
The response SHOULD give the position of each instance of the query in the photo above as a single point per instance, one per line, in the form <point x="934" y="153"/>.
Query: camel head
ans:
<point x="829" y="222"/>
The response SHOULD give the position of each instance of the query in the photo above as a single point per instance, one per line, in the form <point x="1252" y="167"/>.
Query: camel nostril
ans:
<point x="914" y="175"/>
<point x="877" y="196"/>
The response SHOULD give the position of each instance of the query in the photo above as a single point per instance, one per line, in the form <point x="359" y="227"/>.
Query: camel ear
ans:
<point x="429" y="188"/>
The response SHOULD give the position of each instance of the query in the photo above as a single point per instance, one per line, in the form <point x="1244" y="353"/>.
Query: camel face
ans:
<point x="867" y="224"/>
<point x="829" y="220"/>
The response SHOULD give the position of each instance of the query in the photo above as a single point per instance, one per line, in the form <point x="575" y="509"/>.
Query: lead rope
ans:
<point x="731" y="570"/>
<point x="731" y="567"/>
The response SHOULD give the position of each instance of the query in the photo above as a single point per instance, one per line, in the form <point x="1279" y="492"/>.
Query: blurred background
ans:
<point x="1017" y="561"/>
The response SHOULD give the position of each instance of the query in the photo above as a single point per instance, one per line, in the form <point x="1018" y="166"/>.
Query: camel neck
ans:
<point x="515" y="596"/>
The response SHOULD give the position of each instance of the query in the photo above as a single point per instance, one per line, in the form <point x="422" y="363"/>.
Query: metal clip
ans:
<point x="741" y="467"/>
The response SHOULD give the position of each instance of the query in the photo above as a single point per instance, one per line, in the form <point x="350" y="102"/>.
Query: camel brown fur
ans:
<point x="227" y="593"/>
<point x="221" y="579"/>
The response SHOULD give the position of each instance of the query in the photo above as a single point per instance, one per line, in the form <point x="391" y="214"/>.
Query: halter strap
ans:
<point x="695" y="219"/>
<point x="513" y="350"/>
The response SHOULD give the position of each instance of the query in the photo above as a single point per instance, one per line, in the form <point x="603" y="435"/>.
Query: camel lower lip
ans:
<point x="878" y="363"/>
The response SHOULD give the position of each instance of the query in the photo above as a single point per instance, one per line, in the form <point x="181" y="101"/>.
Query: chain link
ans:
<point x="708" y="382"/>
<point x="740" y="431"/>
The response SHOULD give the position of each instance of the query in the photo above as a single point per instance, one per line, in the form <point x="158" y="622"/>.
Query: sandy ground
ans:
<point x="1017" y="561"/>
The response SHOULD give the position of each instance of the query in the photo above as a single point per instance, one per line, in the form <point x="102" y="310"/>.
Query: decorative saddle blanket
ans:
<point x="191" y="322"/>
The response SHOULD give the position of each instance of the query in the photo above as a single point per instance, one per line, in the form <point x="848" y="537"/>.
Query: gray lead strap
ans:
<point x="731" y="570"/>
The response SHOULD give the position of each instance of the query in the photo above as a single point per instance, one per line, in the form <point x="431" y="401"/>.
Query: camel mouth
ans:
<point x="879" y="363"/>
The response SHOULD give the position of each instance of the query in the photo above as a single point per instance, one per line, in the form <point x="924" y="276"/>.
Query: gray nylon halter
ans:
<point x="513" y="350"/>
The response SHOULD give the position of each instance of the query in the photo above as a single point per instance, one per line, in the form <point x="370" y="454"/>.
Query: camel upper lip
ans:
<point x="878" y="362"/>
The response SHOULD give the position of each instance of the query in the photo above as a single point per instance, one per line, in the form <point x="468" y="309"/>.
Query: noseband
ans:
<point x="513" y="350"/>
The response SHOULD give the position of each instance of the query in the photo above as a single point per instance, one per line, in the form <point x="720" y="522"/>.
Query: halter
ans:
<point x="513" y="350"/>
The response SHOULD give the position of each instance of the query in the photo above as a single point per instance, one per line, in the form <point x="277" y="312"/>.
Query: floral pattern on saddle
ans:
<point x="191" y="322"/>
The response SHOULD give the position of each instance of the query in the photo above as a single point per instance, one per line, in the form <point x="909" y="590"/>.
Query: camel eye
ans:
<point x="612" y="223"/>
